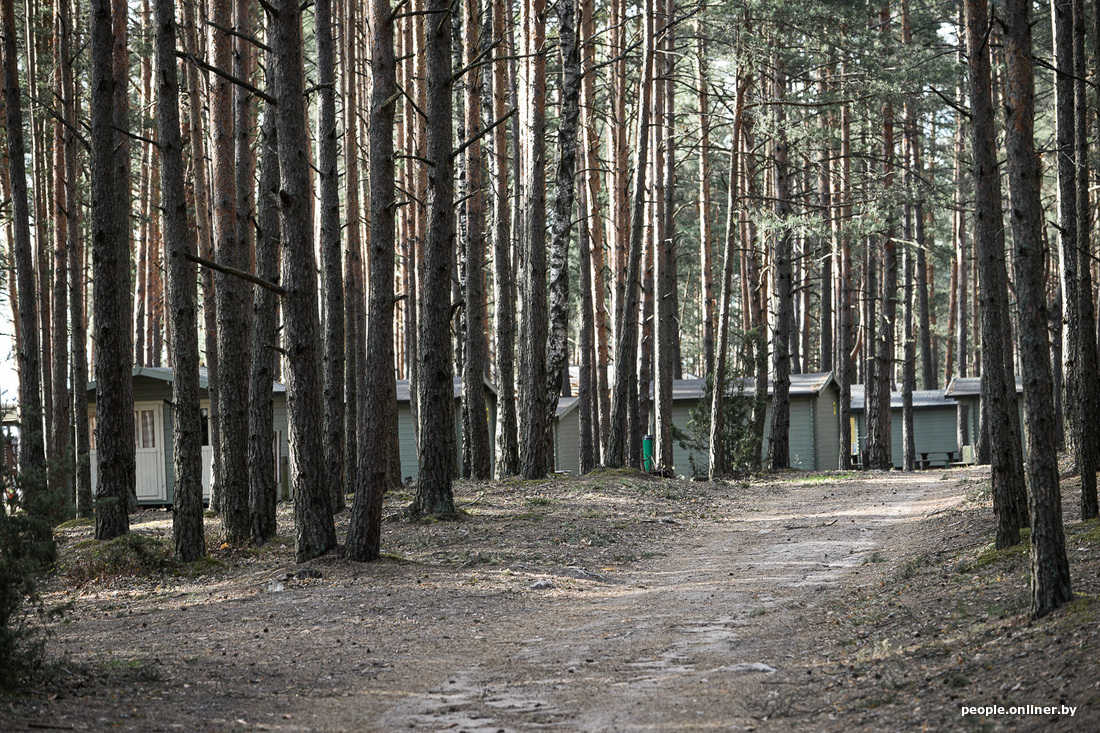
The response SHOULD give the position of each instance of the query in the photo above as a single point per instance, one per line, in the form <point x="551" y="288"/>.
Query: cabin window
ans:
<point x="145" y="433"/>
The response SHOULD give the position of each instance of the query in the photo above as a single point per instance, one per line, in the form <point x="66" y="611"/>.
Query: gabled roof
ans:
<point x="971" y="387"/>
<point x="802" y="385"/>
<point x="165" y="374"/>
<point x="922" y="399"/>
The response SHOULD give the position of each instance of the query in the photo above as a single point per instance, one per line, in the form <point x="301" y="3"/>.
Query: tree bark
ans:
<point x="627" y="332"/>
<point x="561" y="214"/>
<point x="315" y="533"/>
<point x="111" y="303"/>
<point x="533" y="331"/>
<point x="435" y="390"/>
<point x="331" y="268"/>
<point x="1050" y="581"/>
<point x="187" y="529"/>
<point x="507" y="447"/>
<point x="379" y="400"/>
<point x="781" y="279"/>
<point x="705" y="265"/>
<point x="231" y="294"/>
<point x="263" y="493"/>
<point x="665" y="332"/>
<point x="999" y="393"/>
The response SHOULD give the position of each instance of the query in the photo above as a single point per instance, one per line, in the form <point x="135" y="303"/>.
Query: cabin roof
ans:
<point x="970" y="387"/>
<point x="802" y="385"/>
<point x="164" y="374"/>
<point x="922" y="399"/>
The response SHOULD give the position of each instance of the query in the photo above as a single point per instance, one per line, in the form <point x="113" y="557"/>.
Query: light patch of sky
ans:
<point x="9" y="377"/>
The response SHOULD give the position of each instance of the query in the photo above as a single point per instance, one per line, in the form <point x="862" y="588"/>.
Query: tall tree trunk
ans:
<point x="999" y="387"/>
<point x="1087" y="455"/>
<point x="507" y="448"/>
<point x="435" y="388"/>
<point x="187" y="530"/>
<point x="331" y="268"/>
<point x="354" y="304"/>
<point x="718" y="438"/>
<point x="379" y="399"/>
<point x="32" y="455"/>
<point x="231" y="294"/>
<point x="665" y="332"/>
<point x="1050" y="582"/>
<point x="781" y="278"/>
<point x="705" y="266"/>
<point x="111" y="272"/>
<point x="594" y="225"/>
<point x="76" y="268"/>
<point x="561" y="215"/>
<point x="627" y="331"/>
<point x="959" y="290"/>
<point x="263" y="493"/>
<point x="315" y="533"/>
<point x="844" y="290"/>
<point x="588" y="409"/>
<point x="60" y="440"/>
<point x="533" y="331"/>
<point x="475" y="427"/>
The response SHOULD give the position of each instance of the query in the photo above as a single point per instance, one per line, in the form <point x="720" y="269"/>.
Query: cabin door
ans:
<point x="149" y="451"/>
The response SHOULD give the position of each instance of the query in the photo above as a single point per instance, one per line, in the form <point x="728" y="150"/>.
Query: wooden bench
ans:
<point x="927" y="458"/>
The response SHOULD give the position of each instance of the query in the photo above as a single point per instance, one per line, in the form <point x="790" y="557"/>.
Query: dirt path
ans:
<point x="719" y="633"/>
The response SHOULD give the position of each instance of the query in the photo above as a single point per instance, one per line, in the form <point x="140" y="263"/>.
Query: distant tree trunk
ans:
<point x="507" y="448"/>
<point x="76" y="268"/>
<point x="435" y="388"/>
<point x="379" y="400"/>
<point x="533" y="329"/>
<point x="354" y="305"/>
<point x="475" y="427"/>
<point x="717" y="436"/>
<point x="263" y="493"/>
<point x="665" y="332"/>
<point x="1087" y="455"/>
<point x="1050" y="582"/>
<point x="187" y="530"/>
<point x="60" y="438"/>
<point x="231" y="294"/>
<point x="824" y="250"/>
<point x="594" y="225"/>
<point x="315" y="533"/>
<point x="331" y="268"/>
<point x="626" y="334"/>
<point x="909" y="351"/>
<point x="707" y="291"/>
<point x="206" y="245"/>
<point x="999" y="392"/>
<point x="959" y="281"/>
<point x="561" y="214"/>
<point x="844" y="288"/>
<point x="781" y="279"/>
<point x="32" y="455"/>
<point x="618" y="176"/>
<point x="111" y="304"/>
<point x="588" y="422"/>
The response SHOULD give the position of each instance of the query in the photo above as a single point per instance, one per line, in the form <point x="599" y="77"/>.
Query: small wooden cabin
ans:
<point x="814" y="433"/>
<point x="406" y="427"/>
<point x="153" y="435"/>
<point x="968" y="391"/>
<point x="934" y="434"/>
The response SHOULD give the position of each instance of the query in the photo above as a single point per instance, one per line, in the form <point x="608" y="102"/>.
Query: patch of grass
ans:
<point x="131" y="554"/>
<point x="756" y="612"/>
<point x="823" y="478"/>
<point x="989" y="555"/>
<point x="205" y="565"/>
<point x="76" y="523"/>
<point x="1086" y="531"/>
<point x="876" y="557"/>
<point x="539" y="500"/>
<point x="1082" y="610"/>
<point x="144" y="671"/>
<point x="619" y="472"/>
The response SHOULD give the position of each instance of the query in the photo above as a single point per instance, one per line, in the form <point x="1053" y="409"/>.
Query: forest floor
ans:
<point x="614" y="602"/>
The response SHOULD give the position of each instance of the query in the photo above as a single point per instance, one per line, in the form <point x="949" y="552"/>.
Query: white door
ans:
<point x="149" y="451"/>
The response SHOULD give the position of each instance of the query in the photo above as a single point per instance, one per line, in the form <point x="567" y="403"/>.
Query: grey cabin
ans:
<point x="934" y="435"/>
<point x="406" y="427"/>
<point x="153" y="437"/>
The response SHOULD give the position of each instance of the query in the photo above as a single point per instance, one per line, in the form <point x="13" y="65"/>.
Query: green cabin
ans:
<point x="153" y="436"/>
<point x="934" y="430"/>
<point x="814" y="432"/>
<point x="968" y="391"/>
<point x="406" y="427"/>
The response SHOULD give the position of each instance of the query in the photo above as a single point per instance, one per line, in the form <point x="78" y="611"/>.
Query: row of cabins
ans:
<point x="814" y="431"/>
